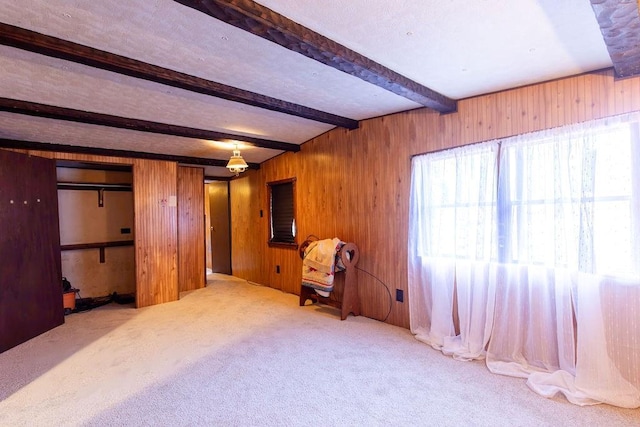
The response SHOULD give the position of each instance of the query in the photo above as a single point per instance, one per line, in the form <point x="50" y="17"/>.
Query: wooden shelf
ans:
<point x="79" y="246"/>
<point x="100" y="246"/>
<point x="93" y="186"/>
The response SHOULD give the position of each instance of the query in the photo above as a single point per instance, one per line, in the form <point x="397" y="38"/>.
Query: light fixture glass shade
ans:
<point x="236" y="163"/>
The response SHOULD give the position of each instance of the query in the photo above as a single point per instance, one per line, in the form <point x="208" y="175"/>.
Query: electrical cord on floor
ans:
<point x="81" y="303"/>
<point x="260" y="285"/>
<point x="386" y="287"/>
<point x="87" y="304"/>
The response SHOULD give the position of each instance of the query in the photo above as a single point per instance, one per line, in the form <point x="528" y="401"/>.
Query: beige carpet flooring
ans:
<point x="237" y="354"/>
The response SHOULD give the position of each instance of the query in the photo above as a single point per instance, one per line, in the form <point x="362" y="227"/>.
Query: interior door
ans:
<point x="220" y="227"/>
<point x="30" y="270"/>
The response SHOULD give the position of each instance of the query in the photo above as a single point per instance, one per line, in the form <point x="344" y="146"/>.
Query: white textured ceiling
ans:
<point x="462" y="48"/>
<point x="459" y="48"/>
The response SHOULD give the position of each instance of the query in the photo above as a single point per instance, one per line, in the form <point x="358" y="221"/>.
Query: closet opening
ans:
<point x="96" y="218"/>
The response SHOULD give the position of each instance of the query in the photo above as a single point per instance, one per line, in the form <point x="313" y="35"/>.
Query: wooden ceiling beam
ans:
<point x="60" y="113"/>
<point x="264" y="22"/>
<point x="619" y="22"/>
<point x="62" y="148"/>
<point x="58" y="48"/>
<point x="208" y="178"/>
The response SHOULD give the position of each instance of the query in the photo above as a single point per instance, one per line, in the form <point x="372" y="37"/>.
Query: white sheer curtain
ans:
<point x="598" y="168"/>
<point x="554" y="293"/>
<point x="451" y="241"/>
<point x="546" y="187"/>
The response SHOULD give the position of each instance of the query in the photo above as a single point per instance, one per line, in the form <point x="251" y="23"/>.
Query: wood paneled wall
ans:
<point x="156" y="224"/>
<point x="247" y="251"/>
<point x="355" y="184"/>
<point x="191" y="238"/>
<point x="156" y="231"/>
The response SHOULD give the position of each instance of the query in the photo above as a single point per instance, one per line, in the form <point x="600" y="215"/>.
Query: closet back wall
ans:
<point x="82" y="220"/>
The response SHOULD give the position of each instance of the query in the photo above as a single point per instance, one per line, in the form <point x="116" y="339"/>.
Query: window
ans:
<point x="282" y="213"/>
<point x="563" y="200"/>
<point x="568" y="201"/>
<point x="454" y="202"/>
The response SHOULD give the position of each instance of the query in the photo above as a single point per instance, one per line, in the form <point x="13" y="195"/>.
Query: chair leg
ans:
<point x="305" y="294"/>
<point x="350" y="298"/>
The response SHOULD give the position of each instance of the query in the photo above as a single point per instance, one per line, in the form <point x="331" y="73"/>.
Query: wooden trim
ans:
<point x="283" y="245"/>
<point x="68" y="114"/>
<point x="58" y="48"/>
<point x="70" y="164"/>
<point x="218" y="178"/>
<point x="264" y="22"/>
<point x="281" y="181"/>
<point x="61" y="148"/>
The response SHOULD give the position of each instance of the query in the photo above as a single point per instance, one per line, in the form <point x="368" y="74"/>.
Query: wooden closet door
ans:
<point x="30" y="267"/>
<point x="191" y="239"/>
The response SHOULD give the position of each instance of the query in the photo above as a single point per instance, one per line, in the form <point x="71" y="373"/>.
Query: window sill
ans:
<point x="284" y="245"/>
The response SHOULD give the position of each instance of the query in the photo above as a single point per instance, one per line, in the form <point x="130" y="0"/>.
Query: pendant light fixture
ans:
<point x="236" y="162"/>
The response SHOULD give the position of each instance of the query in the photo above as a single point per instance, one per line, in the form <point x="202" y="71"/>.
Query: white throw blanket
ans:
<point x="318" y="266"/>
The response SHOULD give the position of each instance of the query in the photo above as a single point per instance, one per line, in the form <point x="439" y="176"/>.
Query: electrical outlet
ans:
<point x="277" y="269"/>
<point x="399" y="295"/>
